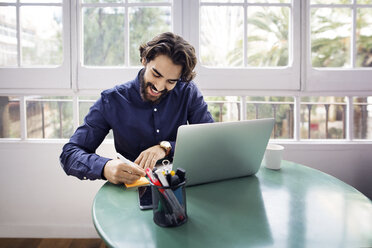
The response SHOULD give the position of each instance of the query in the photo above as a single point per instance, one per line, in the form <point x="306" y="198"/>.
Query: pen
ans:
<point x="153" y="179"/>
<point x="171" y="199"/>
<point x="162" y="178"/>
<point x="125" y="160"/>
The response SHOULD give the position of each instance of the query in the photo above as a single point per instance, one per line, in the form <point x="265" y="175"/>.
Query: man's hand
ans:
<point x="116" y="171"/>
<point x="149" y="157"/>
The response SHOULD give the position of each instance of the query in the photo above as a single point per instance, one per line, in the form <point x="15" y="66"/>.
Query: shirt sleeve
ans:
<point x="198" y="111"/>
<point x="78" y="157"/>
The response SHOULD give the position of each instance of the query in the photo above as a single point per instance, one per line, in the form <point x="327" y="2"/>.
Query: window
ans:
<point x="247" y="44"/>
<point x="238" y="34"/>
<point x="224" y="108"/>
<point x="323" y="118"/>
<point x="308" y="64"/>
<point x="277" y="107"/>
<point x="10" y="125"/>
<point x="49" y="117"/>
<point x="339" y="45"/>
<point x="34" y="41"/>
<point x="362" y="117"/>
<point x="319" y="117"/>
<point x="111" y="33"/>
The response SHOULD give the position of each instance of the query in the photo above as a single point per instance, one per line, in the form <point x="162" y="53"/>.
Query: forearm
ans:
<point x="78" y="157"/>
<point x="77" y="162"/>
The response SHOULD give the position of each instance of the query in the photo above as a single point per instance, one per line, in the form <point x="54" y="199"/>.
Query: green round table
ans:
<point x="295" y="206"/>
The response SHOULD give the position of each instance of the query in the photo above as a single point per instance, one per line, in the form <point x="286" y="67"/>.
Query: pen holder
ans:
<point x="169" y="205"/>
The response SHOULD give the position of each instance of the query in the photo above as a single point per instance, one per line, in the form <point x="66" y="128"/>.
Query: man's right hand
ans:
<point x="116" y="171"/>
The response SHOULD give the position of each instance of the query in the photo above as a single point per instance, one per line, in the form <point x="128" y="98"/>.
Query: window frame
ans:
<point x="300" y="80"/>
<point x="334" y="79"/>
<point x="55" y="77"/>
<point x="89" y="77"/>
<point x="269" y="78"/>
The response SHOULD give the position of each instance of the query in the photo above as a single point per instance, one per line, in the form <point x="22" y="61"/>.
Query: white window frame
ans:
<point x="334" y="79"/>
<point x="40" y="77"/>
<point x="105" y="77"/>
<point x="299" y="80"/>
<point x="266" y="78"/>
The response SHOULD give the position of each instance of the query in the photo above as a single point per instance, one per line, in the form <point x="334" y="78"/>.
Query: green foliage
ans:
<point x="269" y="22"/>
<point x="266" y="110"/>
<point x="335" y="133"/>
<point x="335" y="52"/>
<point x="61" y="113"/>
<point x="104" y="33"/>
<point x="145" y="23"/>
<point x="103" y="36"/>
<point x="215" y="108"/>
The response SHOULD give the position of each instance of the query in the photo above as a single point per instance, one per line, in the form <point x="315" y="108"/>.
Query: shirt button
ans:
<point x="155" y="109"/>
<point x="85" y="178"/>
<point x="157" y="130"/>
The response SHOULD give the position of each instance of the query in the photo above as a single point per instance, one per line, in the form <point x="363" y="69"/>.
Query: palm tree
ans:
<point x="268" y="25"/>
<point x="364" y="42"/>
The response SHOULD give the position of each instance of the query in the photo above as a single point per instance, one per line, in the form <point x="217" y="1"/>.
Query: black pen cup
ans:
<point x="169" y="205"/>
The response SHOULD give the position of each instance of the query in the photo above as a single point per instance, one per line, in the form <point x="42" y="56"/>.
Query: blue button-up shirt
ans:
<point x="136" y="124"/>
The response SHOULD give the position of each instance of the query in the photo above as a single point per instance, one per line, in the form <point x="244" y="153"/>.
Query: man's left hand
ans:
<point x="149" y="157"/>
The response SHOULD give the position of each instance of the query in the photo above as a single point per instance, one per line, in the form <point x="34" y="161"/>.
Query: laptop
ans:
<point x="217" y="151"/>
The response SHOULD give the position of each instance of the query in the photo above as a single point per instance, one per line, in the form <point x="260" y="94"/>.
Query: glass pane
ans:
<point x="8" y="36"/>
<point x="9" y="117"/>
<point x="41" y="35"/>
<point x="221" y="36"/>
<point x="323" y="118"/>
<point x="279" y="108"/>
<point x="103" y="1"/>
<point x="364" y="1"/>
<point x="268" y="36"/>
<point x="330" y="1"/>
<point x="363" y="117"/>
<point x="149" y="1"/>
<point x="224" y="108"/>
<point x="144" y="24"/>
<point x="222" y="1"/>
<point x="269" y="1"/>
<point x="41" y="1"/>
<point x="364" y="37"/>
<point x="330" y="37"/>
<point x="49" y="117"/>
<point x="103" y="36"/>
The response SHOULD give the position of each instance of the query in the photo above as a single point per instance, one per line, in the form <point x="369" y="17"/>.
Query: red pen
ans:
<point x="154" y="180"/>
<point x="169" y="196"/>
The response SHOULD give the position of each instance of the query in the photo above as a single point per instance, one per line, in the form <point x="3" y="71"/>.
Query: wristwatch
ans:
<point x="167" y="147"/>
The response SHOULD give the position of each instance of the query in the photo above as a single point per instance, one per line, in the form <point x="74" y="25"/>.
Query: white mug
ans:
<point x="273" y="156"/>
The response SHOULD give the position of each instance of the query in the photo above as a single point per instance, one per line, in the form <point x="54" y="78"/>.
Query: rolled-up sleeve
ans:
<point x="78" y="156"/>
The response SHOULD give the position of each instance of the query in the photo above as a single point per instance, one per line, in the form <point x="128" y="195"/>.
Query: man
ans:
<point x="144" y="115"/>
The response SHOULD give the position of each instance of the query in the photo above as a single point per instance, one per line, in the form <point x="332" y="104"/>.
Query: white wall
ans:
<point x="37" y="199"/>
<point x="351" y="163"/>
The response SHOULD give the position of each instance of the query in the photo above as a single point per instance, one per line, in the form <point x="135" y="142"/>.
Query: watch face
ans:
<point x="166" y="146"/>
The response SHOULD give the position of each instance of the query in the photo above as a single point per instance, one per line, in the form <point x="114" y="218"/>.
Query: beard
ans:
<point x="143" y="89"/>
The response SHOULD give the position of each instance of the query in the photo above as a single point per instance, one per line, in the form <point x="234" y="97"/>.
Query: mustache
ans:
<point x="149" y="84"/>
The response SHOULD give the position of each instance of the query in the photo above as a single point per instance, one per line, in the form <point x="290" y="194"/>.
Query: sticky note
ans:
<point x="140" y="182"/>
